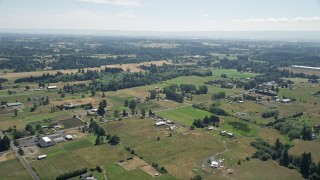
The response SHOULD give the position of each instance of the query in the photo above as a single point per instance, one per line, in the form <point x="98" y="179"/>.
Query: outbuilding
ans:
<point x="14" y="104"/>
<point x="52" y="87"/>
<point x="69" y="137"/>
<point x="42" y="157"/>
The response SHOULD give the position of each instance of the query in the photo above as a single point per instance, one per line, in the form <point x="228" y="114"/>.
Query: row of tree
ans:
<point x="212" y="120"/>
<point x="72" y="174"/>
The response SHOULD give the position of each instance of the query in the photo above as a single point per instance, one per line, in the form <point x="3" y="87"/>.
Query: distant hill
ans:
<point x="254" y="35"/>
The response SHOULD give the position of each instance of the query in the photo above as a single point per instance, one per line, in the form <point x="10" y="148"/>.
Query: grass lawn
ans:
<point x="184" y="115"/>
<point x="12" y="170"/>
<point x="238" y="127"/>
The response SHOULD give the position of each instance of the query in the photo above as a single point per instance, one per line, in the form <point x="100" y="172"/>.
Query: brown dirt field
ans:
<point x="31" y="151"/>
<point x="133" y="164"/>
<point x="197" y="134"/>
<point x="62" y="117"/>
<point x="7" y="156"/>
<point x="132" y="67"/>
<point x="136" y="92"/>
<point x="150" y="170"/>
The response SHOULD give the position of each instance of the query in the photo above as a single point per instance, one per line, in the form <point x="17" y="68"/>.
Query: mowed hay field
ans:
<point x="263" y="170"/>
<point x="306" y="146"/>
<point x="177" y="153"/>
<point x="13" y="170"/>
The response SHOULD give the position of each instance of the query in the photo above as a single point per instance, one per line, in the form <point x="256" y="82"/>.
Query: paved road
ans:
<point x="24" y="163"/>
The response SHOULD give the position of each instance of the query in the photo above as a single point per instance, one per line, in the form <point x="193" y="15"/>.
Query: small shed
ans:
<point x="42" y="157"/>
<point x="69" y="137"/>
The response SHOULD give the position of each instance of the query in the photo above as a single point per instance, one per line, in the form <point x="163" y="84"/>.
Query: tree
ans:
<point x="305" y="164"/>
<point x="93" y="93"/>
<point x="132" y="105"/>
<point x="101" y="110"/>
<point x="124" y="113"/>
<point x="126" y="103"/>
<point x="103" y="95"/>
<point x="98" y="140"/>
<point x="150" y="112"/>
<point x="4" y="143"/>
<point x="21" y="152"/>
<point x="306" y="133"/>
<point x="153" y="94"/>
<point x="114" y="140"/>
<point x="143" y="112"/>
<point x="284" y="159"/>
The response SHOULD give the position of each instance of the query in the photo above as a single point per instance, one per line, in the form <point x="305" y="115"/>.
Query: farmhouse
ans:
<point x="15" y="104"/>
<point x="45" y="142"/>
<point x="214" y="164"/>
<point x="52" y="87"/>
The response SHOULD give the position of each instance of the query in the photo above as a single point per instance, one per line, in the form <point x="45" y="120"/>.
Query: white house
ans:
<point x="214" y="164"/>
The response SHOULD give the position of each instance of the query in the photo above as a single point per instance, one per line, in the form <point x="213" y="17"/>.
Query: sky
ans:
<point x="162" y="15"/>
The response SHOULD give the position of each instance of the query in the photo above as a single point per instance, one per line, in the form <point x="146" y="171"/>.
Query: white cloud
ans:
<point x="131" y="3"/>
<point x="281" y="20"/>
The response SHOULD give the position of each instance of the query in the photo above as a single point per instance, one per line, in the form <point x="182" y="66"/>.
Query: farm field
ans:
<point x="139" y="134"/>
<point x="12" y="169"/>
<point x="256" y="169"/>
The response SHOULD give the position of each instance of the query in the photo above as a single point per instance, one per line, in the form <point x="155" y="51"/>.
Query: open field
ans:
<point x="306" y="146"/>
<point x="256" y="169"/>
<point x="141" y="134"/>
<point x="13" y="170"/>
